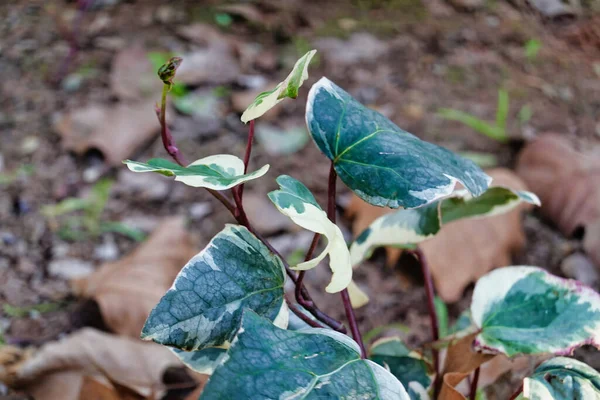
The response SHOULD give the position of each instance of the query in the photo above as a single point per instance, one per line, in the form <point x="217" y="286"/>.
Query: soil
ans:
<point x="422" y="56"/>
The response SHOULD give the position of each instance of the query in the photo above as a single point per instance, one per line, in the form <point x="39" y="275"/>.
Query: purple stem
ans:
<point x="516" y="393"/>
<point x="247" y="155"/>
<point x="474" y="382"/>
<point x="345" y="296"/>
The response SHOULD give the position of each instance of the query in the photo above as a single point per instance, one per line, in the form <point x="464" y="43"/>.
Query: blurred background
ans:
<point x="88" y="247"/>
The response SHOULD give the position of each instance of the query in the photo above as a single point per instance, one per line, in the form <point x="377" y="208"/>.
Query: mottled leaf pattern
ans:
<point x="218" y="172"/>
<point x="562" y="378"/>
<point x="204" y="307"/>
<point x="265" y="362"/>
<point x="297" y="202"/>
<point x="381" y="163"/>
<point x="288" y="88"/>
<point x="527" y="310"/>
<point x="203" y="361"/>
<point x="408" y="366"/>
<point x="405" y="228"/>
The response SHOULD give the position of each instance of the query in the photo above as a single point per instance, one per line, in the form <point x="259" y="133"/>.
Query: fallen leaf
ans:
<point x="128" y="289"/>
<point x="552" y="8"/>
<point x="60" y="370"/>
<point x="492" y="241"/>
<point x="461" y="360"/>
<point x="132" y="76"/>
<point x="568" y="183"/>
<point x="115" y="131"/>
<point x="277" y="141"/>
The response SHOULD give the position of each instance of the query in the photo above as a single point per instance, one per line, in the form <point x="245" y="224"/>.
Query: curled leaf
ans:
<point x="297" y="202"/>
<point x="218" y="172"/>
<point x="288" y="88"/>
<point x="525" y="310"/>
<point x="167" y="71"/>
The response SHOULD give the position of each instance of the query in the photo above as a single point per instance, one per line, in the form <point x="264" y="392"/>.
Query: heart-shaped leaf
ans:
<point x="562" y="378"/>
<point x="408" y="366"/>
<point x="218" y="172"/>
<point x="204" y="306"/>
<point x="265" y="362"/>
<point x="297" y="202"/>
<point x="405" y="228"/>
<point x="527" y="310"/>
<point x="288" y="88"/>
<point x="381" y="163"/>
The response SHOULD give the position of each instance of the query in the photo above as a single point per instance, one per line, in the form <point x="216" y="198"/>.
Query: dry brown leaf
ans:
<point x="114" y="131"/>
<point x="463" y="250"/>
<point x="128" y="289"/>
<point x="567" y="182"/>
<point x="461" y="360"/>
<point x="57" y="370"/>
<point x="132" y="76"/>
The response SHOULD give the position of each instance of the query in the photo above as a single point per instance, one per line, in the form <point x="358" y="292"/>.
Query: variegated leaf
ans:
<point x="204" y="306"/>
<point x="527" y="310"/>
<point x="265" y="362"/>
<point x="218" y="172"/>
<point x="203" y="361"/>
<point x="408" y="366"/>
<point x="406" y="228"/>
<point x="383" y="164"/>
<point x="562" y="378"/>
<point x="297" y="202"/>
<point x="288" y="88"/>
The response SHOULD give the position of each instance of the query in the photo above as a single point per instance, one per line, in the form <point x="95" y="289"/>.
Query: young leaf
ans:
<point x="405" y="228"/>
<point x="294" y="200"/>
<point x="204" y="306"/>
<point x="562" y="378"/>
<point x="502" y="110"/>
<point x="408" y="366"/>
<point x="381" y="163"/>
<point x="202" y="361"/>
<point x="219" y="172"/>
<point x="288" y="88"/>
<point x="527" y="310"/>
<point x="265" y="362"/>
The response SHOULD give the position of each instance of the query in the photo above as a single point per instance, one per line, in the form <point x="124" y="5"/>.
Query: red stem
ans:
<point x="474" y="383"/>
<point x="302" y="316"/>
<point x="313" y="245"/>
<point x="345" y="296"/>
<point x="247" y="156"/>
<point x="516" y="393"/>
<point x="435" y="331"/>
<point x="166" y="136"/>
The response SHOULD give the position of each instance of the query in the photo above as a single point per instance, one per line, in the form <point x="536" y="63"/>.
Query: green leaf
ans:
<point x="478" y="125"/>
<point x="532" y="48"/>
<point x="408" y="366"/>
<point x="204" y="306"/>
<point x="562" y="378"/>
<point x="405" y="228"/>
<point x="526" y="310"/>
<point x="441" y="310"/>
<point x="502" y="110"/>
<point x="463" y="322"/>
<point x="294" y="200"/>
<point x="203" y="361"/>
<point x="265" y="362"/>
<point x="380" y="162"/>
<point x="219" y="172"/>
<point x="288" y="88"/>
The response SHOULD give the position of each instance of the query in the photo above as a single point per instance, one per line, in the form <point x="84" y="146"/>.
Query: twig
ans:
<point x="435" y="331"/>
<point x="345" y="296"/>
<point x="474" y="382"/>
<point x="302" y="316"/>
<point x="247" y="155"/>
<point x="309" y="254"/>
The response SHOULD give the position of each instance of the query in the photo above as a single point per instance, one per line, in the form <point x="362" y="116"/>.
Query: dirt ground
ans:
<point x="406" y="58"/>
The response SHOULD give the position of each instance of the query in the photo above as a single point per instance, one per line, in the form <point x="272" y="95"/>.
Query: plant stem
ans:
<point x="247" y="155"/>
<point x="165" y="133"/>
<point x="516" y="393"/>
<point x="474" y="382"/>
<point x="302" y="316"/>
<point x="435" y="332"/>
<point x="345" y="296"/>
<point x="299" y="295"/>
